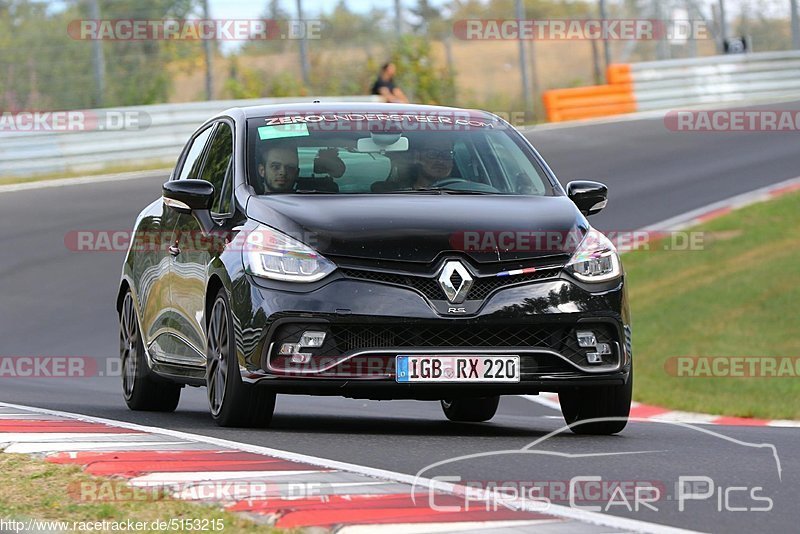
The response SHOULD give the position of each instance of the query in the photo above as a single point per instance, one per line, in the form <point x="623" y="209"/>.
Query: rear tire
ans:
<point x="475" y="410"/>
<point x="141" y="388"/>
<point x="582" y="404"/>
<point x="232" y="402"/>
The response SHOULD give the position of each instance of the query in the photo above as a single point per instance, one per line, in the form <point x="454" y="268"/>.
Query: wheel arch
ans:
<point x="126" y="285"/>
<point x="215" y="283"/>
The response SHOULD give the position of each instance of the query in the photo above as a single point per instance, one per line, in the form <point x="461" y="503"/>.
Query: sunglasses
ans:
<point x="433" y="153"/>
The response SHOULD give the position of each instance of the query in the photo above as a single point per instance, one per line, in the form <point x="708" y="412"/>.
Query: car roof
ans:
<point x="354" y="107"/>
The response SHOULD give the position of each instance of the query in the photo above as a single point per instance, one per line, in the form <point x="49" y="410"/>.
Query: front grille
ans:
<point x="344" y="338"/>
<point x="481" y="288"/>
<point x="354" y="337"/>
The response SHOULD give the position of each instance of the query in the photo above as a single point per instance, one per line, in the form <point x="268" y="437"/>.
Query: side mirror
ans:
<point x="590" y="197"/>
<point x="187" y="196"/>
<point x="192" y="197"/>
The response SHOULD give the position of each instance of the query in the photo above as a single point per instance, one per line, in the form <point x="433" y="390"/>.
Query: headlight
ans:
<point x="271" y="254"/>
<point x="595" y="260"/>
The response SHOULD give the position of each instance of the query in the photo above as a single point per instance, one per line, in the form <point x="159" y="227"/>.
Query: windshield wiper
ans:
<point x="420" y="190"/>
<point x="468" y="192"/>
<point x="314" y="192"/>
<point x="441" y="191"/>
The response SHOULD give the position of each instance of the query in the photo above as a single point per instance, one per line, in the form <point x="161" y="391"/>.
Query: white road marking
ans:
<point x="82" y="180"/>
<point x="784" y="423"/>
<point x="54" y="437"/>
<point x="68" y="446"/>
<point x="168" y="478"/>
<point x="678" y="222"/>
<point x="565" y="512"/>
<point x="686" y="417"/>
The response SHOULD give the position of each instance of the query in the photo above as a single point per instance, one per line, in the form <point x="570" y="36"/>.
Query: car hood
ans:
<point x="418" y="228"/>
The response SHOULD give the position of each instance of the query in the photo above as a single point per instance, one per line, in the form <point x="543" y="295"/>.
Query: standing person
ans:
<point x="385" y="87"/>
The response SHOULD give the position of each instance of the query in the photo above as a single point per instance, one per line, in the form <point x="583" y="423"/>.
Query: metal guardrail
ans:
<point x="34" y="153"/>
<point x="717" y="79"/>
<point x="681" y="83"/>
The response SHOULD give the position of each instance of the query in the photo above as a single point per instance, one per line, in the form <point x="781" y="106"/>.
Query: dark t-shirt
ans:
<point x="380" y="82"/>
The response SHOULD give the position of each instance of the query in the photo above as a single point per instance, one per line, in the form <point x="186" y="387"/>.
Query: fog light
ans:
<point x="594" y="357"/>
<point x="287" y="349"/>
<point x="586" y="339"/>
<point x="603" y="348"/>
<point x="301" y="357"/>
<point x="311" y="339"/>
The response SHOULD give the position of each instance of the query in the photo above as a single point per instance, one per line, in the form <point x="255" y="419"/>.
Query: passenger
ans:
<point x="279" y="166"/>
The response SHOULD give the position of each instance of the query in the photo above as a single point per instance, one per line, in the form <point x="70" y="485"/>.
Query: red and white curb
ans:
<point x="723" y="207"/>
<point x="272" y="486"/>
<point x="645" y="412"/>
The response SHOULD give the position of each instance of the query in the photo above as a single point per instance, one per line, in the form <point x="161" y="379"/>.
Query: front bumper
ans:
<point x="368" y="324"/>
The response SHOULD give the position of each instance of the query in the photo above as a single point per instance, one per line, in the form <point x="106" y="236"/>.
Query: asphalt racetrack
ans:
<point x="57" y="302"/>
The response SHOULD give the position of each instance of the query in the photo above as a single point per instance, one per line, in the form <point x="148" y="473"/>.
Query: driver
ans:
<point x="279" y="167"/>
<point x="435" y="162"/>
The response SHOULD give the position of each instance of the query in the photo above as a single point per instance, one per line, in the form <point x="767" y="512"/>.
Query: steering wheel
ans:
<point x="447" y="181"/>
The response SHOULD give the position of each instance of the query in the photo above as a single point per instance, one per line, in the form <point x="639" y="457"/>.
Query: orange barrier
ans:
<point x="593" y="101"/>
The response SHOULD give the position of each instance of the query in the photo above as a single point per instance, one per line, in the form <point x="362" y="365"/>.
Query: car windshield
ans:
<point x="403" y="153"/>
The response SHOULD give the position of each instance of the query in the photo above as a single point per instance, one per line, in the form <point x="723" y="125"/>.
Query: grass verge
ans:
<point x="737" y="297"/>
<point x="34" y="489"/>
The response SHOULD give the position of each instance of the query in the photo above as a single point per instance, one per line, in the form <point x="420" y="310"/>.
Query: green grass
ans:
<point x="34" y="489"/>
<point x="738" y="296"/>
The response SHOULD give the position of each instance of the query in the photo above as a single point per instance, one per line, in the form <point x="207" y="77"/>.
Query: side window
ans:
<point x="218" y="169"/>
<point x="519" y="172"/>
<point x="191" y="165"/>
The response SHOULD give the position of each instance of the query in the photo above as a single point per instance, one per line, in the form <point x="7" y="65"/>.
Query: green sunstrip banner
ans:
<point x="283" y="130"/>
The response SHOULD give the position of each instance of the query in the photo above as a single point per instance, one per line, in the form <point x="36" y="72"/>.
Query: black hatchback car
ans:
<point x="373" y="251"/>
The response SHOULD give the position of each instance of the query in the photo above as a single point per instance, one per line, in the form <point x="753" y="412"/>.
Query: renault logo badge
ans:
<point x="455" y="281"/>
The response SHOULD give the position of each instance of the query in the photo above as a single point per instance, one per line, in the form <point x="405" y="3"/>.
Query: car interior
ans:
<point x="333" y="164"/>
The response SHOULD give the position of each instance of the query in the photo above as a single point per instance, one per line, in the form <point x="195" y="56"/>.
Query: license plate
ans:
<point x="457" y="369"/>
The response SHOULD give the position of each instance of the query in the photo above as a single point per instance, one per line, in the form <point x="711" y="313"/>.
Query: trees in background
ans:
<point x="42" y="67"/>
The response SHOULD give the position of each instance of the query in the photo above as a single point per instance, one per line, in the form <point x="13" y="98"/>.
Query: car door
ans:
<point x="190" y="265"/>
<point x="156" y="279"/>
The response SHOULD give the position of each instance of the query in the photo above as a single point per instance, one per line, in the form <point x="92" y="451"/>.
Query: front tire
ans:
<point x="232" y="402"/>
<point x="582" y="404"/>
<point x="475" y="410"/>
<point x="142" y="390"/>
